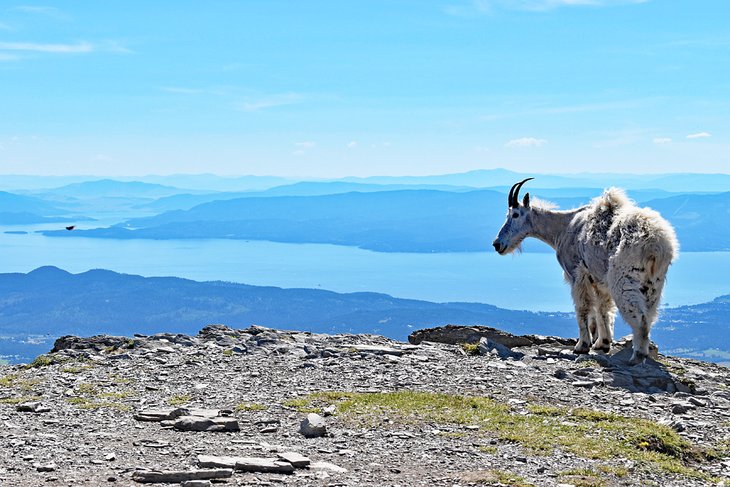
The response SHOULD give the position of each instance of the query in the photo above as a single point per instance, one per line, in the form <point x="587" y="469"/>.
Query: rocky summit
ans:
<point x="457" y="406"/>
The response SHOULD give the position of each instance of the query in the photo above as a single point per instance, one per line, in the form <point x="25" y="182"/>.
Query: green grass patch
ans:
<point x="179" y="399"/>
<point x="250" y="406"/>
<point x="19" y="399"/>
<point x="582" y="477"/>
<point x="87" y="403"/>
<point x="41" y="361"/>
<point x="583" y="432"/>
<point x="494" y="477"/>
<point x="470" y="348"/>
<point x="14" y="381"/>
<point x="302" y="405"/>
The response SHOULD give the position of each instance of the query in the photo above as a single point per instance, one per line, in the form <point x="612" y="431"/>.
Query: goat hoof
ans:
<point x="602" y="346"/>
<point x="581" y="348"/>
<point x="638" y="358"/>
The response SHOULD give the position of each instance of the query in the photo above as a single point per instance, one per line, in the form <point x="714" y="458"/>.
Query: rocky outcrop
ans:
<point x="259" y="406"/>
<point x="455" y="334"/>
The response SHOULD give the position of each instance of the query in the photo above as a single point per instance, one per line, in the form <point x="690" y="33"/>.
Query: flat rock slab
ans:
<point x="165" y="414"/>
<point x="198" y="423"/>
<point x="32" y="407"/>
<point x="161" y="414"/>
<point x="296" y="459"/>
<point x="255" y="464"/>
<point x="177" y="476"/>
<point x="378" y="350"/>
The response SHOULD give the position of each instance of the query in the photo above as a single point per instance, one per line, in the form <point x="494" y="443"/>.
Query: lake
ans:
<point x="531" y="281"/>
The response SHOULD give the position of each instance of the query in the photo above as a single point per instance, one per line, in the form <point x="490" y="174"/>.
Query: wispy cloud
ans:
<point x="699" y="135"/>
<point x="183" y="91"/>
<point x="568" y="109"/>
<point x="481" y="7"/>
<point x="37" y="9"/>
<point x="80" y="47"/>
<point x="352" y="144"/>
<point x="4" y="26"/>
<point x="526" y="142"/>
<point x="301" y="148"/>
<point x="662" y="140"/>
<point x="271" y="101"/>
<point x="8" y="57"/>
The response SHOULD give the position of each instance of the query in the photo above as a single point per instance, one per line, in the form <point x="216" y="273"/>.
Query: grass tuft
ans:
<point x="585" y="433"/>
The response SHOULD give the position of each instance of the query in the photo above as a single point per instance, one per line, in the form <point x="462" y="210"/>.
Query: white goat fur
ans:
<point x="613" y="254"/>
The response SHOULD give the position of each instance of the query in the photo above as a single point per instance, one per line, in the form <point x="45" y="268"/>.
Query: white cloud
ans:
<point x="480" y="7"/>
<point x="271" y="101"/>
<point x="79" y="47"/>
<point x="662" y="140"/>
<point x="7" y="57"/>
<point x="301" y="148"/>
<point x="526" y="142"/>
<point x="699" y="135"/>
<point x="352" y="144"/>
<point x="37" y="9"/>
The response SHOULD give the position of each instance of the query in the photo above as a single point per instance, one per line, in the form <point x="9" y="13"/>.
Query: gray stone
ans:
<point x="313" y="426"/>
<point x="296" y="459"/>
<point x="487" y="346"/>
<point x="270" y="465"/>
<point x="454" y="334"/>
<point x="198" y="423"/>
<point x="177" y="476"/>
<point x="32" y="407"/>
<point x="682" y="407"/>
<point x="196" y="483"/>
<point x="161" y="414"/>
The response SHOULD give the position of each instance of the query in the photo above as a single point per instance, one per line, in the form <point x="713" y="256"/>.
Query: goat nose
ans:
<point x="496" y="245"/>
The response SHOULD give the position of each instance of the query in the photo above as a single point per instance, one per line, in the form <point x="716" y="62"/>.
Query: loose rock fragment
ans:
<point x="176" y="476"/>
<point x="32" y="407"/>
<point x="270" y="465"/>
<point x="296" y="459"/>
<point x="197" y="423"/>
<point x="313" y="426"/>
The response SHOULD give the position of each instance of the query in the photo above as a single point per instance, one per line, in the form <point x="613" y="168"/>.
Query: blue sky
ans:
<point x="334" y="88"/>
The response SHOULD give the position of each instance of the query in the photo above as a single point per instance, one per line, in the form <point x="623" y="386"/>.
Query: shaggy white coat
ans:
<point x="613" y="254"/>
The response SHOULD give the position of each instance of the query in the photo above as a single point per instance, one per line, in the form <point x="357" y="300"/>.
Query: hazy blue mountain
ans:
<point x="25" y="218"/>
<point x="394" y="221"/>
<point x="16" y="203"/>
<point x="305" y="188"/>
<point x="49" y="302"/>
<point x="213" y="182"/>
<point x="678" y="182"/>
<point x="700" y="220"/>
<point x="13" y="182"/>
<point x="409" y="221"/>
<point x="187" y="201"/>
<point x="110" y="188"/>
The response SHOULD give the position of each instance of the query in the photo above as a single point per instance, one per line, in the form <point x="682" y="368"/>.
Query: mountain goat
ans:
<point x="613" y="254"/>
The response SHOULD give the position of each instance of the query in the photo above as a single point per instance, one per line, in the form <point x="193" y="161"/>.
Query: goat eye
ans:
<point x="515" y="215"/>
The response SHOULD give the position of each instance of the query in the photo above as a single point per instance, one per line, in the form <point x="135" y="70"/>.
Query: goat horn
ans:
<point x="511" y="193"/>
<point x="514" y="197"/>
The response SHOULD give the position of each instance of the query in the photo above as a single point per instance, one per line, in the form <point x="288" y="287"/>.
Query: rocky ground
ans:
<point x="457" y="406"/>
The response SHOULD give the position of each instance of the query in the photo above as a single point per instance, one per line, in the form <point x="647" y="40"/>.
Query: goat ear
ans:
<point x="526" y="200"/>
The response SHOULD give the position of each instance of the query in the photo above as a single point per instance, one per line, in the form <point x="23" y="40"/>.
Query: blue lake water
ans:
<point x="530" y="281"/>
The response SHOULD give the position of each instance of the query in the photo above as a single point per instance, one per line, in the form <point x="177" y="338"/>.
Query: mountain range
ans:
<point x="395" y="221"/>
<point x="48" y="302"/>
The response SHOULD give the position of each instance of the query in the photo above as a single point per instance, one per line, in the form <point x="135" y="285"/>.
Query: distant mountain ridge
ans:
<point x="395" y="221"/>
<point x="51" y="302"/>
